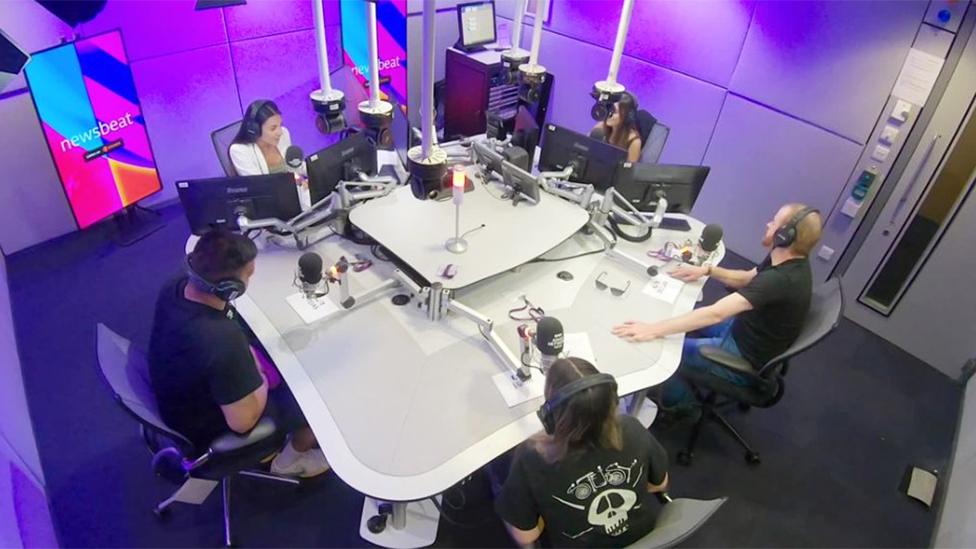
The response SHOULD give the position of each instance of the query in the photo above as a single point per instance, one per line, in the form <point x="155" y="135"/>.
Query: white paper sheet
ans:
<point x="918" y="76"/>
<point x="664" y="288"/>
<point x="312" y="310"/>
<point x="578" y="345"/>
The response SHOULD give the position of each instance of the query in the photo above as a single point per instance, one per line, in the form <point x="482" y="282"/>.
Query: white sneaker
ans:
<point x="300" y="464"/>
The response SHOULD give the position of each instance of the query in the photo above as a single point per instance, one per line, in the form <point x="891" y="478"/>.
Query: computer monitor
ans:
<point x="476" y="25"/>
<point x="593" y="161"/>
<point x="525" y="132"/>
<point x="639" y="184"/>
<point x="217" y="202"/>
<point x="342" y="161"/>
<point x="521" y="182"/>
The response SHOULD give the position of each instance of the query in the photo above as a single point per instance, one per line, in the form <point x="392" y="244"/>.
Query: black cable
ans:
<point x="557" y="259"/>
<point x="616" y="227"/>
<point x="483" y="522"/>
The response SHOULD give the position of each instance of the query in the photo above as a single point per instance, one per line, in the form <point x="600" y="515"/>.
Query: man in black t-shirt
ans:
<point x="757" y="322"/>
<point x="206" y="376"/>
<point x="588" y="481"/>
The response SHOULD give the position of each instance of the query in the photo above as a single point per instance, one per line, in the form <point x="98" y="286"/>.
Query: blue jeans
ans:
<point x="676" y="392"/>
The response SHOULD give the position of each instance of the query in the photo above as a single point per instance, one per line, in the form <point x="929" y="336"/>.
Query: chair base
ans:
<point x="399" y="525"/>
<point x="195" y="491"/>
<point x="710" y="412"/>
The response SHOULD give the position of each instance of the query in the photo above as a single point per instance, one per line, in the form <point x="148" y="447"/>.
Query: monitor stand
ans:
<point x="135" y="223"/>
<point x="469" y="49"/>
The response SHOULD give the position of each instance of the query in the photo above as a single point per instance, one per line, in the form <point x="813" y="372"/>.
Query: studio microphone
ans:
<point x="294" y="158"/>
<point x="309" y="274"/>
<point x="549" y="340"/>
<point x="710" y="238"/>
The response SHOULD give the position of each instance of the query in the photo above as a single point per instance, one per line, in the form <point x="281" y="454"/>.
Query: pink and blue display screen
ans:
<point x="89" y="112"/>
<point x="391" y="41"/>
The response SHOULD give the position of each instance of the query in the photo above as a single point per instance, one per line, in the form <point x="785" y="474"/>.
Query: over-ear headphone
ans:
<point x="786" y="235"/>
<point x="547" y="412"/>
<point x="250" y="123"/>
<point x="226" y="289"/>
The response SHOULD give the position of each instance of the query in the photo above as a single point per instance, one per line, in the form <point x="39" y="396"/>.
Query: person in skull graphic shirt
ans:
<point x="590" y="482"/>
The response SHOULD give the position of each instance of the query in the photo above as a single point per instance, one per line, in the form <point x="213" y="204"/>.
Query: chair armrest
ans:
<point x="727" y="359"/>
<point x="233" y="442"/>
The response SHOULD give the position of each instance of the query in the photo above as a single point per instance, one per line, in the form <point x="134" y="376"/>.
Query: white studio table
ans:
<point x="405" y="407"/>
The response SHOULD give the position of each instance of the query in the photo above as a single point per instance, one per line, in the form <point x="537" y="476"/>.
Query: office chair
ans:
<point x="769" y="384"/>
<point x="197" y="471"/>
<point x="222" y="139"/>
<point x="679" y="519"/>
<point x="653" y="136"/>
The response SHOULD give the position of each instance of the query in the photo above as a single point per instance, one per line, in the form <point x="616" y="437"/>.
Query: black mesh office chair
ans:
<point x="769" y="382"/>
<point x="196" y="470"/>
<point x="653" y="136"/>
<point x="222" y="139"/>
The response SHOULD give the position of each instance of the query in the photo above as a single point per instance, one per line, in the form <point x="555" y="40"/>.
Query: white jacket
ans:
<point x="248" y="158"/>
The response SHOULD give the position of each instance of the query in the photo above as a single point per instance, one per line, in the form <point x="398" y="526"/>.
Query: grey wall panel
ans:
<point x="761" y="160"/>
<point x="830" y="63"/>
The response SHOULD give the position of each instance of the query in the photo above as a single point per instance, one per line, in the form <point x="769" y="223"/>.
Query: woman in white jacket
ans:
<point x="259" y="146"/>
<point x="261" y="143"/>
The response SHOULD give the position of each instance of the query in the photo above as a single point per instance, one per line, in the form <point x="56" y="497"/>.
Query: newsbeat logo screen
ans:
<point x="90" y="115"/>
<point x="391" y="41"/>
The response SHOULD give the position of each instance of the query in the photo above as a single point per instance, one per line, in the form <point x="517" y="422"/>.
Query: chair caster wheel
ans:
<point x="685" y="457"/>
<point x="376" y="523"/>
<point x="752" y="458"/>
<point x="744" y="407"/>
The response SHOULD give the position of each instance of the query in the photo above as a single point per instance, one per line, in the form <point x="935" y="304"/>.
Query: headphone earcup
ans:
<point x="229" y="289"/>
<point x="545" y="417"/>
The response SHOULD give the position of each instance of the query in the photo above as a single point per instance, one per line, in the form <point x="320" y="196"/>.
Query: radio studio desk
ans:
<point x="405" y="407"/>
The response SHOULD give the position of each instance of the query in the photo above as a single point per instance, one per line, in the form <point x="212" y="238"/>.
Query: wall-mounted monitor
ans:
<point x="89" y="111"/>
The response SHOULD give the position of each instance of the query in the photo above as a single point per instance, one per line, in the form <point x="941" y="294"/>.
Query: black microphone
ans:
<point x="710" y="238"/>
<point x="549" y="340"/>
<point x="310" y="274"/>
<point x="294" y="157"/>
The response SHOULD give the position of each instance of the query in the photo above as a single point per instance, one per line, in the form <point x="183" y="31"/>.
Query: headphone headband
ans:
<point x="786" y="235"/>
<point x="546" y="413"/>
<point x="226" y="289"/>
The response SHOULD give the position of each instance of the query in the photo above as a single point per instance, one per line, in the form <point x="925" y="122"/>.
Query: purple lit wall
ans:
<point x="24" y="516"/>
<point x="195" y="71"/>
<point x="777" y="97"/>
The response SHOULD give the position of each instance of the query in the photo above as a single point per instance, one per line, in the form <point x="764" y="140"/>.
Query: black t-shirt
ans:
<point x="593" y="498"/>
<point x="199" y="359"/>
<point x="780" y="298"/>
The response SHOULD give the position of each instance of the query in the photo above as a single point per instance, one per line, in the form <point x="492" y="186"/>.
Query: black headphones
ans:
<point x="226" y="289"/>
<point x="250" y="123"/>
<point x="786" y="235"/>
<point x="548" y="409"/>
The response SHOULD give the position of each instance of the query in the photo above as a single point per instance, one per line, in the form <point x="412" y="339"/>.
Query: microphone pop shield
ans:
<point x="294" y="157"/>
<point x="710" y="237"/>
<point x="310" y="268"/>
<point x="549" y="336"/>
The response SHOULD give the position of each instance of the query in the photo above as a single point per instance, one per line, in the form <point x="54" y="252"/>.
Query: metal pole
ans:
<point x="618" y="46"/>
<point x="374" y="65"/>
<point x="427" y="86"/>
<point x="325" y="80"/>
<point x="540" y="6"/>
<point x="517" y="29"/>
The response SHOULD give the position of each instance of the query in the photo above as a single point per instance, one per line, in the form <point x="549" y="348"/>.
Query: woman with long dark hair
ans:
<point x="620" y="128"/>
<point x="588" y="479"/>
<point x="260" y="144"/>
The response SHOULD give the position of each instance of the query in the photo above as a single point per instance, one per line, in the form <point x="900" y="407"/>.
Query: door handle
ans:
<point x="911" y="186"/>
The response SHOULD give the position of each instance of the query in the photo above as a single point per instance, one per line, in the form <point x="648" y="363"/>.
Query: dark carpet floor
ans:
<point x="856" y="413"/>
